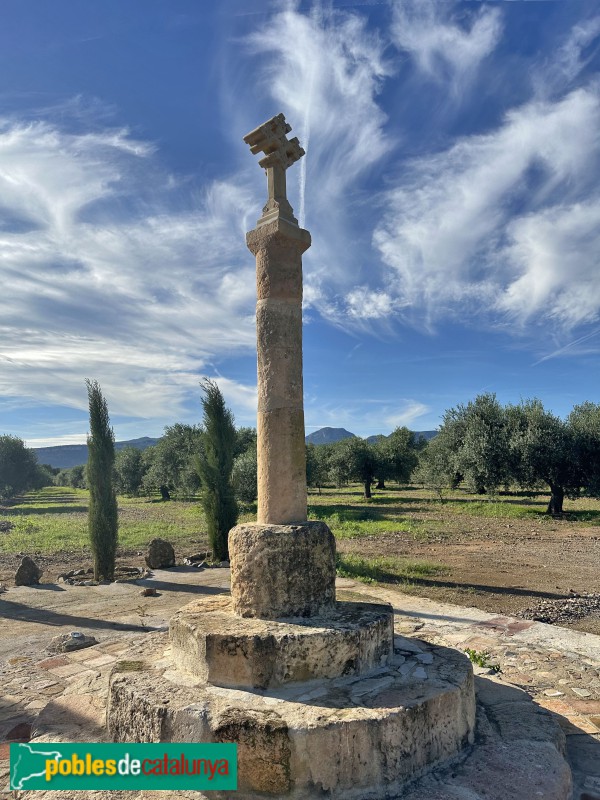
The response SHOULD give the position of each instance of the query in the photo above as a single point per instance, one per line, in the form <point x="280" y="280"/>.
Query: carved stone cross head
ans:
<point x="270" y="138"/>
<point x="280" y="152"/>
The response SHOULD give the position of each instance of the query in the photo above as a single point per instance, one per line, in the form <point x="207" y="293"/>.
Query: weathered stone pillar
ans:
<point x="278" y="242"/>
<point x="281" y="451"/>
<point x="282" y="565"/>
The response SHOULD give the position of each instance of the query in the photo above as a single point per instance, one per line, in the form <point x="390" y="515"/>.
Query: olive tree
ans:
<point x="397" y="456"/>
<point x="337" y="462"/>
<point x="543" y="451"/>
<point x="361" y="460"/>
<point x="130" y="469"/>
<point x="19" y="470"/>
<point x="436" y="467"/>
<point x="244" y="476"/>
<point x="170" y="464"/>
<point x="584" y="422"/>
<point x="317" y="465"/>
<point x="475" y="439"/>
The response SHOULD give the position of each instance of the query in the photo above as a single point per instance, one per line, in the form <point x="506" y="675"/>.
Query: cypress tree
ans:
<point x="214" y="466"/>
<point x="103" y="514"/>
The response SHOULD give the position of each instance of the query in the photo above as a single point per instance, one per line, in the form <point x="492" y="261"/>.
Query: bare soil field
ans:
<point x="503" y="563"/>
<point x="502" y="556"/>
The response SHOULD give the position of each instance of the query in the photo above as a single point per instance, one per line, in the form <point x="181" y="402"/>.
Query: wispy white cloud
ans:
<point x="557" y="254"/>
<point x="365" y="304"/>
<point x="573" y="347"/>
<point x="102" y="278"/>
<point x="406" y="416"/>
<point x="470" y="229"/>
<point x="324" y="70"/>
<point x="365" y="417"/>
<point x="445" y="48"/>
<point x="58" y="441"/>
<point x="564" y="67"/>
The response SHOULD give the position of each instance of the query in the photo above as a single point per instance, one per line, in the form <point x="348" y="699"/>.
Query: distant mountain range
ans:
<point x="65" y="456"/>
<point x="331" y="435"/>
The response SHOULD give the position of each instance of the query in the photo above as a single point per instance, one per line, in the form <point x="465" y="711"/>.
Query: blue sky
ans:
<point x="451" y="185"/>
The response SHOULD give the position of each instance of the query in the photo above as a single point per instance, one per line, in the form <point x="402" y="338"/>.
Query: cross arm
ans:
<point x="270" y="138"/>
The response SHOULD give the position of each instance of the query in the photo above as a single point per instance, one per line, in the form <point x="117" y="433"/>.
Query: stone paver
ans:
<point x="533" y="656"/>
<point x="538" y="658"/>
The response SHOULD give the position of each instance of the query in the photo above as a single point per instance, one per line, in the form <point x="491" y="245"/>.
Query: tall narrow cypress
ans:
<point x="214" y="466"/>
<point x="102" y="516"/>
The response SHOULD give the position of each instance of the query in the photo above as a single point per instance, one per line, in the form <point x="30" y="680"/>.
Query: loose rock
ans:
<point x="198" y="560"/>
<point x="28" y="573"/>
<point x="160" y="554"/>
<point x="566" y="610"/>
<point x="67" y="642"/>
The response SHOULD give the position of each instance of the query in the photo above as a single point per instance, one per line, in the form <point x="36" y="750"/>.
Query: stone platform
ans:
<point x="519" y="750"/>
<point x="217" y="647"/>
<point x="355" y="737"/>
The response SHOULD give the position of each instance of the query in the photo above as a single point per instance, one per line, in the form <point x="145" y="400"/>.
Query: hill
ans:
<point x="66" y="456"/>
<point x="328" y="436"/>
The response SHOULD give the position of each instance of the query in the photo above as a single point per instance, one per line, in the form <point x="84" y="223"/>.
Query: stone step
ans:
<point x="210" y="642"/>
<point x="356" y="738"/>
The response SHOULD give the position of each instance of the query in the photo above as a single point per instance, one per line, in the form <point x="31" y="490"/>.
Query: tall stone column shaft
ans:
<point x="278" y="246"/>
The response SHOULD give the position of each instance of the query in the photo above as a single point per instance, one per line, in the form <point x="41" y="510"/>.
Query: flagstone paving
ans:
<point x="558" y="668"/>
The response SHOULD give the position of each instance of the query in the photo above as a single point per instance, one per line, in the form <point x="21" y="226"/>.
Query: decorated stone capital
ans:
<point x="278" y="248"/>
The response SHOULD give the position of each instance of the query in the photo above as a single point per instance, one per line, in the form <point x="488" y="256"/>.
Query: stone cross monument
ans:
<point x="278" y="668"/>
<point x="282" y="565"/>
<point x="278" y="244"/>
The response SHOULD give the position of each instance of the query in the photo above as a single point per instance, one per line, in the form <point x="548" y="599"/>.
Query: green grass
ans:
<point x="54" y="519"/>
<point x="384" y="569"/>
<point x="482" y="660"/>
<point x="348" y="522"/>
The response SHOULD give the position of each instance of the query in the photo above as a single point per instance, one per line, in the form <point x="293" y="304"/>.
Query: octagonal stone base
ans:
<point x="282" y="570"/>
<point x="220" y="648"/>
<point x="352" y="738"/>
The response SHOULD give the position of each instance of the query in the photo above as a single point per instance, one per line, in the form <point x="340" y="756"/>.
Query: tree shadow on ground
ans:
<point x="188" y="588"/>
<point x="384" y="576"/>
<point x="49" y="587"/>
<point x="27" y="512"/>
<point x="42" y="616"/>
<point x="593" y="517"/>
<point x="344" y="513"/>
<point x="478" y="499"/>
<point x="65" y="497"/>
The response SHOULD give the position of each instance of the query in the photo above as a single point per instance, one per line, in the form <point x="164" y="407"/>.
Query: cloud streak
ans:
<point x="445" y="50"/>
<point x="490" y="224"/>
<point x="324" y="69"/>
<point x="103" y="279"/>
